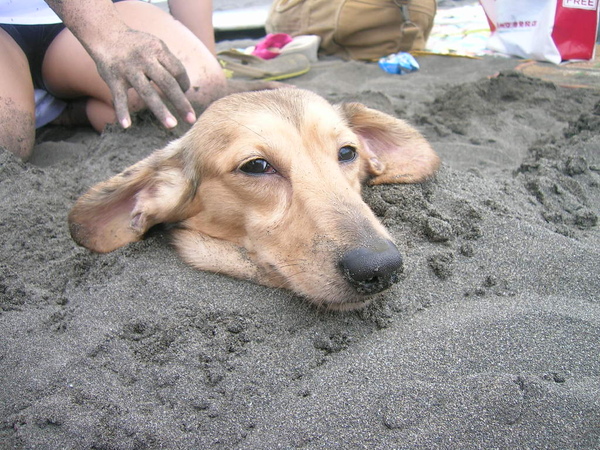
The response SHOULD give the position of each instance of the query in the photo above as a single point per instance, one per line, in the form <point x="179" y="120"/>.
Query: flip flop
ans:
<point x="275" y="45"/>
<point x="241" y="65"/>
<point x="270" y="47"/>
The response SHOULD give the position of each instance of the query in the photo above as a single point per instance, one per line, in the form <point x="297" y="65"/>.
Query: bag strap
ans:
<point x="403" y="5"/>
<point x="408" y="28"/>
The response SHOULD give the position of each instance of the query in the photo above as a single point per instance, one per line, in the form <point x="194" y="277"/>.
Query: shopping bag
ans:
<point x="545" y="30"/>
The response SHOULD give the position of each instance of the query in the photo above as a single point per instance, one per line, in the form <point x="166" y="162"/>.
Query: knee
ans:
<point x="208" y="87"/>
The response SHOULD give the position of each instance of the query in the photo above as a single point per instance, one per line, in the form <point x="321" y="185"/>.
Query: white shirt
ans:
<point x="26" y="12"/>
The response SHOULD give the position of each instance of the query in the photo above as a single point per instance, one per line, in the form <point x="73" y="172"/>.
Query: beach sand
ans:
<point x="490" y="340"/>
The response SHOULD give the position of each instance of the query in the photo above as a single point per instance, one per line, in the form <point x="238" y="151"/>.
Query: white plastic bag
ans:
<point x="545" y="30"/>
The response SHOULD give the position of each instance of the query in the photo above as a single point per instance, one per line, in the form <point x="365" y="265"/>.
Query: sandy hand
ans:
<point x="143" y="62"/>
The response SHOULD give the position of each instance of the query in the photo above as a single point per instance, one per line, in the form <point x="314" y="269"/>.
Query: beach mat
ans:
<point x="584" y="74"/>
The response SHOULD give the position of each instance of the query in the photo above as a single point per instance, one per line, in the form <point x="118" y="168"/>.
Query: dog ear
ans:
<point x="116" y="212"/>
<point x="395" y="151"/>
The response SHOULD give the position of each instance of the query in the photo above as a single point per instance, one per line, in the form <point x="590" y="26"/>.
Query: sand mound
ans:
<point x="490" y="339"/>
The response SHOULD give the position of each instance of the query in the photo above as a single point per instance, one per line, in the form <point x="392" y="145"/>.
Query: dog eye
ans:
<point x="257" y="167"/>
<point x="347" y="154"/>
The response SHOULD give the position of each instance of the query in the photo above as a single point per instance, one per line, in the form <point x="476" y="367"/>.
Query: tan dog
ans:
<point x="266" y="187"/>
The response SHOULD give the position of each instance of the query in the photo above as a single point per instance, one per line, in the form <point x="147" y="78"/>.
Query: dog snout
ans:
<point x="372" y="268"/>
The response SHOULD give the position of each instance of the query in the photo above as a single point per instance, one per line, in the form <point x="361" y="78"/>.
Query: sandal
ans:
<point x="274" y="45"/>
<point x="241" y="65"/>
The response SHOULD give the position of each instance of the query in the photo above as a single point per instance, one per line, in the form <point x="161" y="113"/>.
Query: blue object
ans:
<point x="399" y="63"/>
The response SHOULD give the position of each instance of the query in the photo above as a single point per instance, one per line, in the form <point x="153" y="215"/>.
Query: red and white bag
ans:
<point x="545" y="30"/>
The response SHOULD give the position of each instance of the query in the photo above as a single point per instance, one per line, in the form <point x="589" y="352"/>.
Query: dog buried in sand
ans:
<point x="266" y="187"/>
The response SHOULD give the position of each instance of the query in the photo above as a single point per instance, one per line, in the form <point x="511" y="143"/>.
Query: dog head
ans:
<point x="266" y="187"/>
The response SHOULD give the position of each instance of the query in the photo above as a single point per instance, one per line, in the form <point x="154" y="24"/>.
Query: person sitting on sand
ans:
<point x="121" y="57"/>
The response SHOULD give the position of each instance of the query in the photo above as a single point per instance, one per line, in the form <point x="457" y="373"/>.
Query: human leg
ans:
<point x="70" y="72"/>
<point x="17" y="106"/>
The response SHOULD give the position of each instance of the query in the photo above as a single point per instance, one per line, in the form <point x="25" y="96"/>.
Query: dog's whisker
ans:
<point x="287" y="278"/>
<point x="278" y="268"/>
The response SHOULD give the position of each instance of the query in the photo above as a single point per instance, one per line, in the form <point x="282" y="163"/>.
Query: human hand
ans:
<point x="141" y="61"/>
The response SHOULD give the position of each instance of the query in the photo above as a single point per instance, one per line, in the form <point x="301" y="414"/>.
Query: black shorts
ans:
<point x="34" y="40"/>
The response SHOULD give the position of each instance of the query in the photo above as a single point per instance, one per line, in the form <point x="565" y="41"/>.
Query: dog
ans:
<point x="266" y="186"/>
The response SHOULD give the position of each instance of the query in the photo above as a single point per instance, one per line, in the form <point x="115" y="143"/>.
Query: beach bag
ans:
<point x="545" y="30"/>
<point x="356" y="29"/>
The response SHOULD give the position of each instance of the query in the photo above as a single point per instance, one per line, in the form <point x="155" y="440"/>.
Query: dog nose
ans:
<point x="373" y="268"/>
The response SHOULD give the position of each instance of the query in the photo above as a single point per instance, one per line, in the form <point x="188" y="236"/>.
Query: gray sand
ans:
<point x="490" y="340"/>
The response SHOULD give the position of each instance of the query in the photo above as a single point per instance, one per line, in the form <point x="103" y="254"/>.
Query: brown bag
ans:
<point x="356" y="29"/>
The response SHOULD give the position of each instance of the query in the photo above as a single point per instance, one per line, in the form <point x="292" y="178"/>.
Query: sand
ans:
<point x="490" y="340"/>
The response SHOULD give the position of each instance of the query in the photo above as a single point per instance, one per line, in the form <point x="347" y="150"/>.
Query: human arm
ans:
<point x="128" y="58"/>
